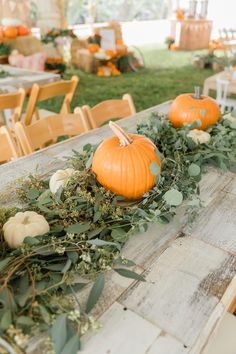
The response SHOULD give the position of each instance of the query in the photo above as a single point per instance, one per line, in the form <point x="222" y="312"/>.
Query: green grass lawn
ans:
<point x="166" y="75"/>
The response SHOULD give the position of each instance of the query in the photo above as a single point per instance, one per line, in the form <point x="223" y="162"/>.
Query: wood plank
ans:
<point x="212" y="182"/>
<point x="144" y="248"/>
<point x="49" y="159"/>
<point x="217" y="223"/>
<point x="122" y="332"/>
<point x="231" y="187"/>
<point x="165" y="344"/>
<point x="183" y="287"/>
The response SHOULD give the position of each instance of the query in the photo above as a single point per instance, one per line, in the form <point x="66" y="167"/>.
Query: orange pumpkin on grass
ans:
<point x="122" y="163"/>
<point x="189" y="107"/>
<point x="10" y="32"/>
<point x="23" y="31"/>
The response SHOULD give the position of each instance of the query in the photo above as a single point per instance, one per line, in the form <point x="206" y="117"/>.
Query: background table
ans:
<point x="190" y="274"/>
<point x="191" y="34"/>
<point x="24" y="78"/>
<point x="210" y="82"/>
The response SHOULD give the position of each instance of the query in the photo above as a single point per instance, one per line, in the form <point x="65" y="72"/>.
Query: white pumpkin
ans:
<point x="60" y="179"/>
<point x="199" y="136"/>
<point x="28" y="223"/>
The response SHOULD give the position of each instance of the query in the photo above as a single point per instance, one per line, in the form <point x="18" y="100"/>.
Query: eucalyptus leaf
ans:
<point x="173" y="197"/>
<point x="89" y="162"/>
<point x="24" y="321"/>
<point x="4" y="263"/>
<point x="31" y="241"/>
<point x="154" y="168"/>
<point x="33" y="193"/>
<point x="73" y="256"/>
<point x="72" y="346"/>
<point x="119" y="235"/>
<point x="6" y="320"/>
<point x="58" y="333"/>
<point x="102" y="243"/>
<point x="95" y="292"/>
<point x="129" y="274"/>
<point x="78" y="228"/>
<point x="67" y="266"/>
<point x="194" y="170"/>
<point x="97" y="216"/>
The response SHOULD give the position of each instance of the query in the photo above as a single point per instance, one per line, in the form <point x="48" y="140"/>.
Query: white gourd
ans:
<point x="60" y="179"/>
<point x="199" y="136"/>
<point x="22" y="225"/>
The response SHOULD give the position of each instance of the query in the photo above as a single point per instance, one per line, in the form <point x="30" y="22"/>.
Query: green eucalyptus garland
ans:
<point x="41" y="281"/>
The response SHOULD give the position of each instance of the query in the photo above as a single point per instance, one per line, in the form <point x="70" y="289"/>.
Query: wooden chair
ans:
<point x="222" y="96"/>
<point x="45" y="131"/>
<point x="109" y="110"/>
<point x="42" y="93"/>
<point x="13" y="101"/>
<point x="8" y="148"/>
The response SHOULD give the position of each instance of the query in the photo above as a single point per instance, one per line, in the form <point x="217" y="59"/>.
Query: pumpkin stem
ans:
<point x="26" y="220"/>
<point x="121" y="134"/>
<point x="197" y="92"/>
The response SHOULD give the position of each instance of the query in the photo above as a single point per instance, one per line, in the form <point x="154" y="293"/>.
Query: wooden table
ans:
<point x="190" y="275"/>
<point x="25" y="78"/>
<point x="191" y="34"/>
<point x="210" y="82"/>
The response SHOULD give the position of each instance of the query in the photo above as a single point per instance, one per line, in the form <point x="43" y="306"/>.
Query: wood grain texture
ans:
<point x="183" y="287"/>
<point x="231" y="187"/>
<point x="212" y="182"/>
<point x="165" y="344"/>
<point x="122" y="332"/>
<point x="217" y="223"/>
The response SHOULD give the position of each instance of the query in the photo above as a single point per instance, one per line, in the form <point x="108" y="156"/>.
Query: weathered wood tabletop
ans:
<point x="24" y="78"/>
<point x="190" y="274"/>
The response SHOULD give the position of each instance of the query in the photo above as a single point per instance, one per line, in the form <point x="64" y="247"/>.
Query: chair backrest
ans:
<point x="221" y="89"/>
<point x="55" y="89"/>
<point x="13" y="101"/>
<point x="222" y="93"/>
<point x="45" y="131"/>
<point x="8" y="148"/>
<point x="109" y="110"/>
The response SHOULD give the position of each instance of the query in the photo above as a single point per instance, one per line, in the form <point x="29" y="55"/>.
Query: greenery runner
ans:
<point x="41" y="279"/>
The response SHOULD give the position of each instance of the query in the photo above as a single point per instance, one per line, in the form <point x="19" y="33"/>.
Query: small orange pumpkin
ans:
<point x="179" y="14"/>
<point x="110" y="53"/>
<point x="189" y="107"/>
<point x="23" y="31"/>
<point x="93" y="48"/>
<point x="122" y="163"/>
<point x="10" y="32"/>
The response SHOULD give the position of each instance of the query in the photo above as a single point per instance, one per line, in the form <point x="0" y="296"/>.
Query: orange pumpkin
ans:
<point x="179" y="14"/>
<point x="23" y="31"/>
<point x="10" y="32"/>
<point x="1" y="32"/>
<point x="93" y="48"/>
<point x="110" y="53"/>
<point x="122" y="163"/>
<point x="189" y="107"/>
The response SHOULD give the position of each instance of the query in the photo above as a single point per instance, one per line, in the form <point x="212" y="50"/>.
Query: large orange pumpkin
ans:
<point x="23" y="31"/>
<point x="10" y="32"/>
<point x="122" y="163"/>
<point x="189" y="107"/>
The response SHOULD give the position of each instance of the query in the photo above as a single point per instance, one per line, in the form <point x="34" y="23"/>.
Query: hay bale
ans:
<point x="26" y="45"/>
